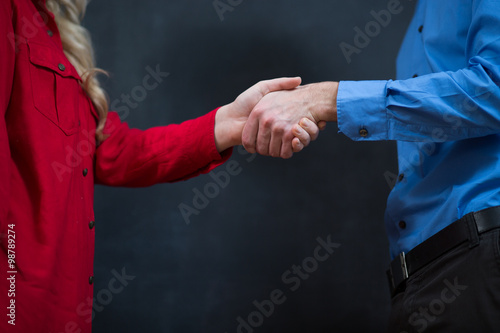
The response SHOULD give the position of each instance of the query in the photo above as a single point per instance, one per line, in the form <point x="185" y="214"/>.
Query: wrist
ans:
<point x="325" y="93"/>
<point x="227" y="131"/>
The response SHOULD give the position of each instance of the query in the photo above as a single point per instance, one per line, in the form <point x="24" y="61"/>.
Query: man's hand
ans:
<point x="272" y="125"/>
<point x="230" y="119"/>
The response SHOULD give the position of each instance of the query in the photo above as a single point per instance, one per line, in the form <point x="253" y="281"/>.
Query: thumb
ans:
<point x="284" y="83"/>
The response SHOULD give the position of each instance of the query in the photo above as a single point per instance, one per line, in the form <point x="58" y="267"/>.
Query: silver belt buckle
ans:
<point x="399" y="271"/>
<point x="404" y="268"/>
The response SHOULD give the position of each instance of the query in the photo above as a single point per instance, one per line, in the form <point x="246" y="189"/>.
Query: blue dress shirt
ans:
<point x="444" y="112"/>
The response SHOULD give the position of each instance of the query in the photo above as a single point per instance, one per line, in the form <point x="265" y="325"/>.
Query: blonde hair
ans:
<point x="78" y="49"/>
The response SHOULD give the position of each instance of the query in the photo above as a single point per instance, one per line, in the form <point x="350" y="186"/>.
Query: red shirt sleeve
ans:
<point x="137" y="158"/>
<point x="7" y="60"/>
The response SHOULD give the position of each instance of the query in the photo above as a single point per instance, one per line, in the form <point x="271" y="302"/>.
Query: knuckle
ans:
<point x="256" y="115"/>
<point x="288" y="135"/>
<point x="267" y="121"/>
<point x="263" y="87"/>
<point x="278" y="130"/>
<point x="257" y="111"/>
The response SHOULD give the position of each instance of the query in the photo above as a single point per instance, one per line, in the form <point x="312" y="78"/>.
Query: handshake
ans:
<point x="276" y="117"/>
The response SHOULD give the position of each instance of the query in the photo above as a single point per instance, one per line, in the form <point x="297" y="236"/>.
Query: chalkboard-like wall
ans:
<point x="268" y="245"/>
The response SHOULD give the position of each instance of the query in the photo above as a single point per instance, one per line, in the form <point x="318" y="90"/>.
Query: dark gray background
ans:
<point x="202" y="276"/>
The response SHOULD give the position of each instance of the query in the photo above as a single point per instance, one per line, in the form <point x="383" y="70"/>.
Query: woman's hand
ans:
<point x="231" y="118"/>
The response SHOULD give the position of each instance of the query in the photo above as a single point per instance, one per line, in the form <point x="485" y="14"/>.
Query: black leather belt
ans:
<point x="460" y="231"/>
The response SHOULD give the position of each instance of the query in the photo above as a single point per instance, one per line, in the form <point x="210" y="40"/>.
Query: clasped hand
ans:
<point x="273" y="117"/>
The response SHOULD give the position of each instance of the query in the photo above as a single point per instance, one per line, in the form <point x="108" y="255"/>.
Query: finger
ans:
<point x="310" y="127"/>
<point x="301" y="134"/>
<point x="286" y="147"/>
<point x="322" y="125"/>
<point x="252" y="140"/>
<point x="263" y="138"/>
<point x="275" y="143"/>
<point x="297" y="145"/>
<point x="250" y="132"/>
<point x="284" y="83"/>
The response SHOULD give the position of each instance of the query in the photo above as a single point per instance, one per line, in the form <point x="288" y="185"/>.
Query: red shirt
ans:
<point x="49" y="164"/>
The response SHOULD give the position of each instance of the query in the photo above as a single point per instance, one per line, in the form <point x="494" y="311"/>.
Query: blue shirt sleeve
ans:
<point x="443" y="106"/>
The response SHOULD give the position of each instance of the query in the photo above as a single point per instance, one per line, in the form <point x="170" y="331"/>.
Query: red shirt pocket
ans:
<point x="55" y="86"/>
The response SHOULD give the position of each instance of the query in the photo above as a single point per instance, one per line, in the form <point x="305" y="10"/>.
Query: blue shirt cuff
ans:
<point x="361" y="110"/>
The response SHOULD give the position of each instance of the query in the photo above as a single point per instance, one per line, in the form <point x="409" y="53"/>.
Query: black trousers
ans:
<point x="457" y="292"/>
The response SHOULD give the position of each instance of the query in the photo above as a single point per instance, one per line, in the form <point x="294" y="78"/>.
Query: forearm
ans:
<point x="456" y="95"/>
<point x="444" y="106"/>
<point x="136" y="158"/>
